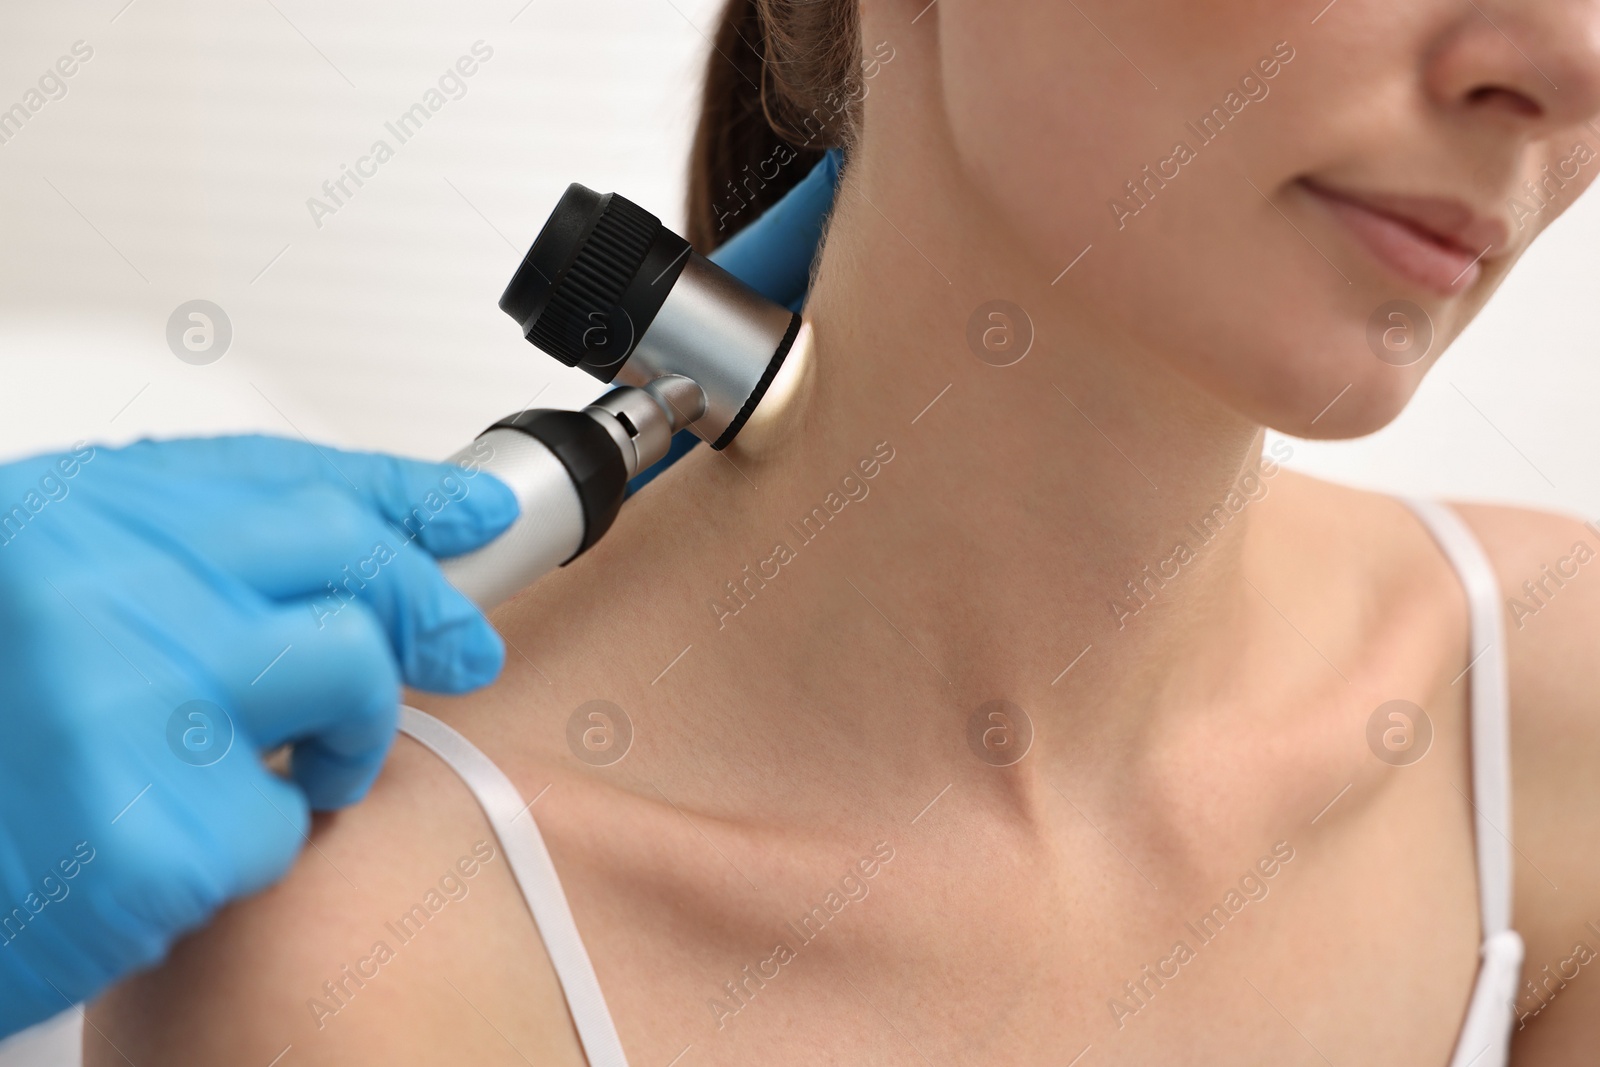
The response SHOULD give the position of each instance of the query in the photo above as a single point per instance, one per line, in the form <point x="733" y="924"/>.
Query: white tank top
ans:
<point x="1485" y="1038"/>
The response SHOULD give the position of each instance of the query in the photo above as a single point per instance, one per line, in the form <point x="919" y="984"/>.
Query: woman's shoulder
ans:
<point x="1548" y="569"/>
<point x="1547" y="566"/>
<point x="400" y="936"/>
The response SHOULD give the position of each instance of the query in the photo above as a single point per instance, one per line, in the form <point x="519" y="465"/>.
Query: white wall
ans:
<point x="179" y="164"/>
<point x="191" y="142"/>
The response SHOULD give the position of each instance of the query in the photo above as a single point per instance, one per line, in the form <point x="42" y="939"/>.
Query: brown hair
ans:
<point x="782" y="84"/>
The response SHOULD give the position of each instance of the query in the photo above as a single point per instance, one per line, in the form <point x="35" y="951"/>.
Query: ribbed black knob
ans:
<point x="594" y="279"/>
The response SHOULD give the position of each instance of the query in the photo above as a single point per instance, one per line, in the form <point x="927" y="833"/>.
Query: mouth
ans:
<point x="1436" y="243"/>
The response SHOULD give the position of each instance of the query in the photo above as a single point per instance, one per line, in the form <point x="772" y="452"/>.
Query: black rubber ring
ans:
<point x="592" y="460"/>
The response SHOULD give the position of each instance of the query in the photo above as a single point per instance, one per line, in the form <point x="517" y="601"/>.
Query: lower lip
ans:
<point x="1405" y="252"/>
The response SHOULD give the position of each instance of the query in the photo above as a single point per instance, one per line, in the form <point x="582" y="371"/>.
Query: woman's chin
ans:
<point x="1315" y="394"/>
<point x="1368" y="400"/>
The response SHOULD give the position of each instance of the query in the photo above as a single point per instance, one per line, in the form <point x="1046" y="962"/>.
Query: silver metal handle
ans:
<point x="639" y="423"/>
<point x="545" y="535"/>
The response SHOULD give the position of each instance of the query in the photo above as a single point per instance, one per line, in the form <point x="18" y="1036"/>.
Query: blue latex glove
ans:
<point x="169" y="612"/>
<point x="773" y="256"/>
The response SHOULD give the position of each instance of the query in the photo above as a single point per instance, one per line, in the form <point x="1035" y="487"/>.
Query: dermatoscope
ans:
<point x="607" y="288"/>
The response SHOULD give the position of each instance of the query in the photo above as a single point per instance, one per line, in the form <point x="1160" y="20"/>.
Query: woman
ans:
<point x="998" y="700"/>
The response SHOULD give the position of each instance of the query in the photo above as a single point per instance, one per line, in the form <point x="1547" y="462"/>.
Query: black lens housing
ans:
<point x="594" y="280"/>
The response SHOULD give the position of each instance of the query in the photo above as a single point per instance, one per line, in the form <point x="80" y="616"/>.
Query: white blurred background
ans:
<point x="178" y="166"/>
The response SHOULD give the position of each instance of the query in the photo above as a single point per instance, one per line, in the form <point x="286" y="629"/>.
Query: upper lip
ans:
<point x="1453" y="223"/>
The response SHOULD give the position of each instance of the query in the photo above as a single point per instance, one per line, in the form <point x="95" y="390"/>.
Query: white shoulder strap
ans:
<point x="1490" y="711"/>
<point x="1490" y="695"/>
<point x="1485" y="1038"/>
<point x="530" y="863"/>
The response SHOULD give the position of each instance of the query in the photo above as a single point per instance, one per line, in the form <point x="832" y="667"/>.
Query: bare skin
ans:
<point x="1217" y="732"/>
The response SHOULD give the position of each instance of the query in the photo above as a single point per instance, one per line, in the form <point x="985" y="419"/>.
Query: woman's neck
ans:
<point x="1030" y="511"/>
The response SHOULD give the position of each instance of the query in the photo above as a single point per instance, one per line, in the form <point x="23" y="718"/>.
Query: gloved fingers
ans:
<point x="272" y="827"/>
<point x="322" y="549"/>
<point x="440" y="640"/>
<point x="287" y="543"/>
<point x="199" y="835"/>
<point x="333" y="691"/>
<point x="448" y="509"/>
<point x="197" y="463"/>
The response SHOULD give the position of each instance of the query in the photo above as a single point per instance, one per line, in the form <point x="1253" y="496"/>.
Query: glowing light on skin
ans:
<point x="784" y="402"/>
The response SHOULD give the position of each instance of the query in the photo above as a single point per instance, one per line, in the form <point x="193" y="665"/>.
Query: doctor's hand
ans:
<point x="168" y="613"/>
